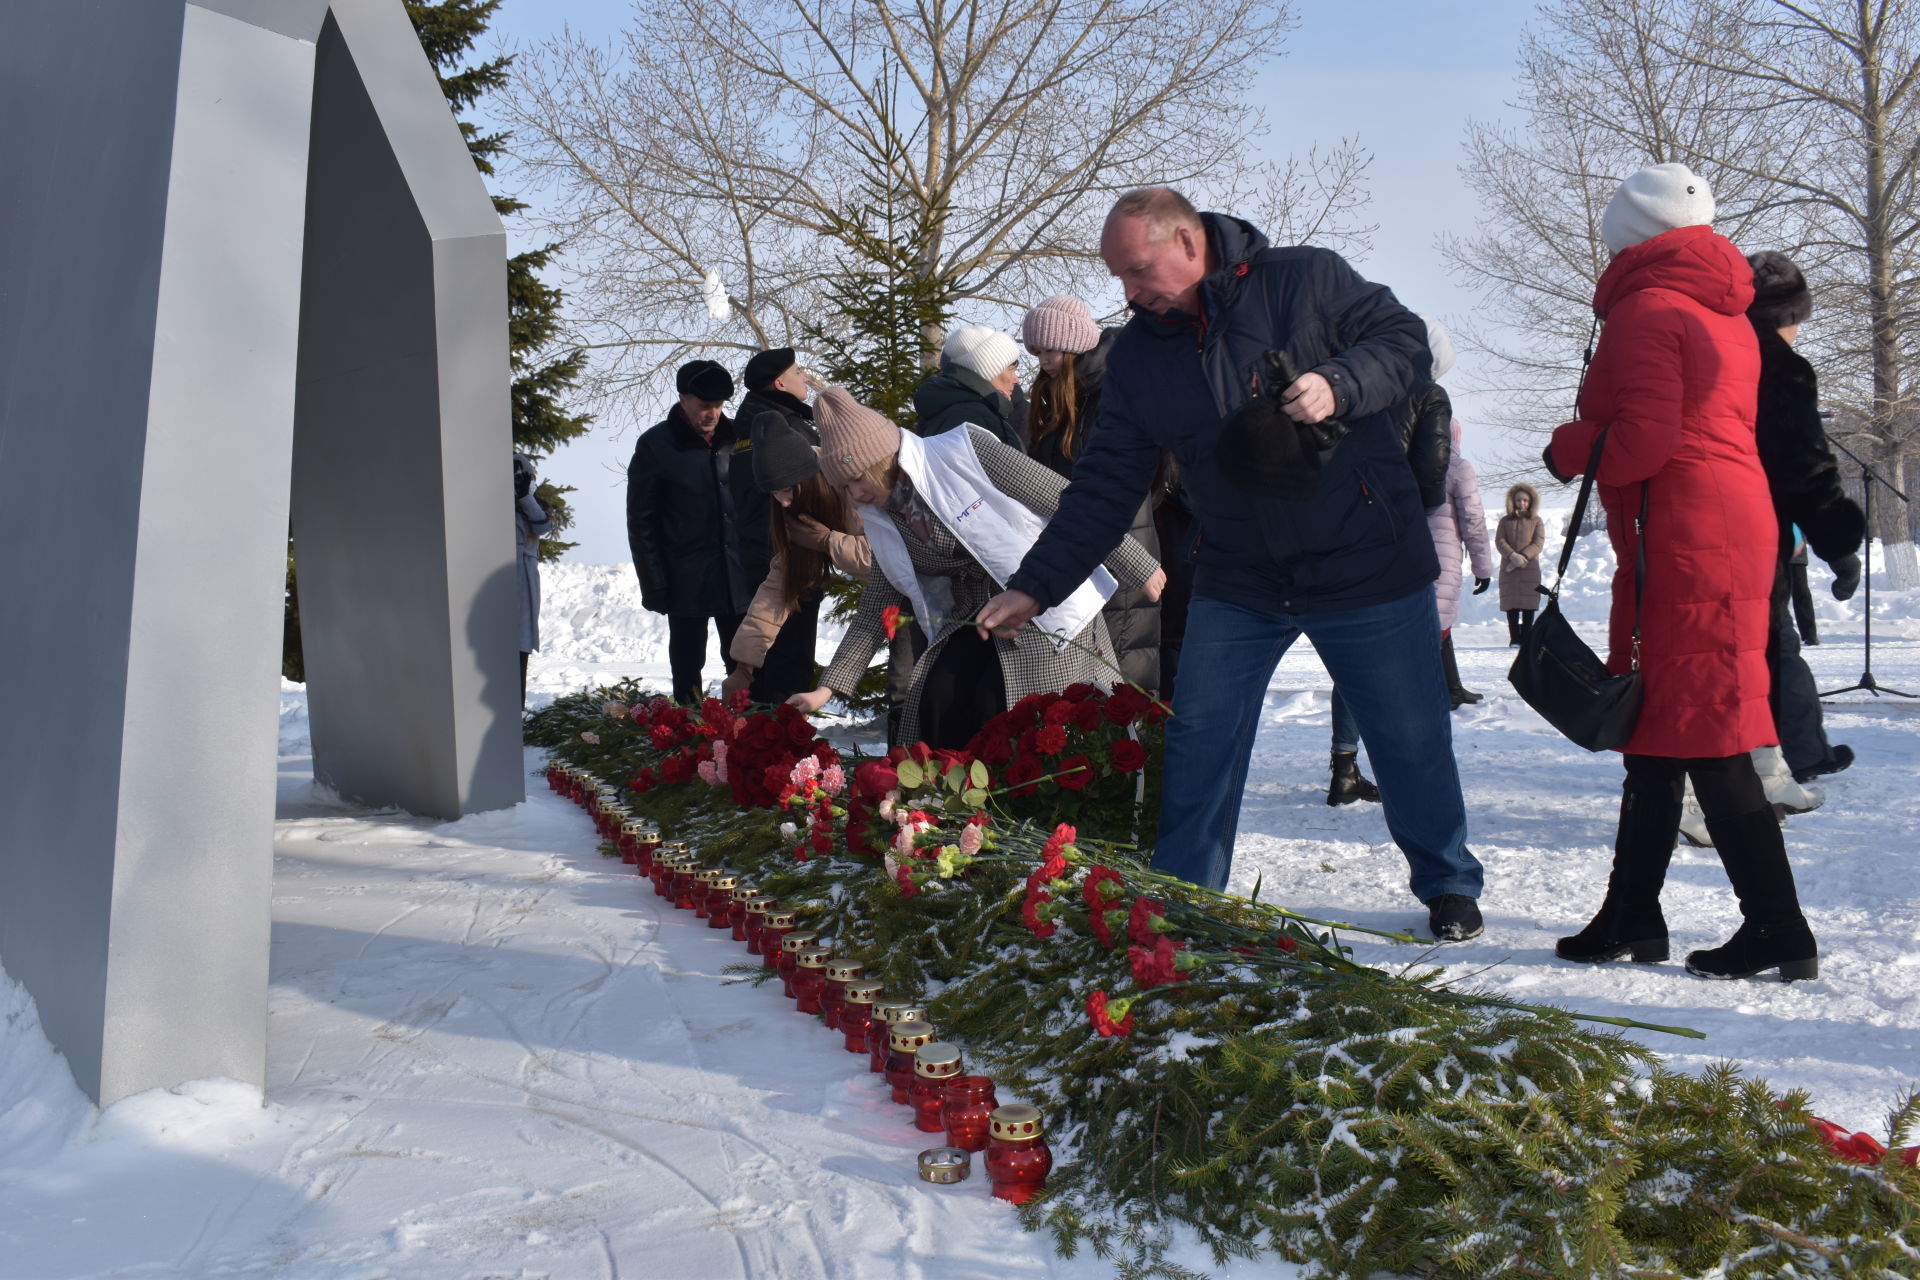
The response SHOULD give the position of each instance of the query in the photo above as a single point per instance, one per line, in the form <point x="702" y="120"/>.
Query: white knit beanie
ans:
<point x="1658" y="199"/>
<point x="986" y="351"/>
<point x="1440" y="346"/>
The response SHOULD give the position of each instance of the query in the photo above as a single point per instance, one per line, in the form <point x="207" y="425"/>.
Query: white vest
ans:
<point x="995" y="529"/>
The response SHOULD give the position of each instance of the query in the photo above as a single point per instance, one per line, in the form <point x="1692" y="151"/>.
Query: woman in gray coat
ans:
<point x="1519" y="540"/>
<point x="531" y="522"/>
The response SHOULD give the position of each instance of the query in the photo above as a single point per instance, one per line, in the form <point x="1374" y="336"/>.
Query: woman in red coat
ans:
<point x="1674" y="383"/>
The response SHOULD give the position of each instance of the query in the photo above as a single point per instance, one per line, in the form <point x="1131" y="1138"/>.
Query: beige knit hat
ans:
<point x="1060" y="323"/>
<point x="853" y="438"/>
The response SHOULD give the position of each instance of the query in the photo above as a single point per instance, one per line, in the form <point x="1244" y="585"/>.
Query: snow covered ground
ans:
<point x="491" y="1056"/>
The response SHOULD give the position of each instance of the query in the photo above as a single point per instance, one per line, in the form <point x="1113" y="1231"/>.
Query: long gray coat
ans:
<point x="1527" y="535"/>
<point x="1033" y="666"/>
<point x="531" y="523"/>
<point x="1457" y="522"/>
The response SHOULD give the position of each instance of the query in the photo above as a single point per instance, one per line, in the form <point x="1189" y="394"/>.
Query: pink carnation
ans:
<point x="613" y="710"/>
<point x="589" y="737"/>
<point x="710" y="775"/>
<point x="833" y="780"/>
<point x="971" y="838"/>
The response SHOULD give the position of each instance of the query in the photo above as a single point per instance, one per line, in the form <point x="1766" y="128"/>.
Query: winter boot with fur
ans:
<point x="1783" y="793"/>
<point x="1629" y="922"/>
<point x="1349" y="784"/>
<point x="1460" y="694"/>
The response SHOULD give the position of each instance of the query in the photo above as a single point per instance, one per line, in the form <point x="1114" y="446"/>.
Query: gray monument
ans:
<point x="248" y="273"/>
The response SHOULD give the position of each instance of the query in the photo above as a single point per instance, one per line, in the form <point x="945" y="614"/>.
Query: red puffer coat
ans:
<point x="1676" y="377"/>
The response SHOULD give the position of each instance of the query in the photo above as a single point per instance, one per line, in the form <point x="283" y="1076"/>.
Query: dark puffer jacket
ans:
<point x="1172" y="383"/>
<point x="680" y="521"/>
<point x="1426" y="428"/>
<point x="1133" y="621"/>
<point x="952" y="395"/>
<point x="752" y="507"/>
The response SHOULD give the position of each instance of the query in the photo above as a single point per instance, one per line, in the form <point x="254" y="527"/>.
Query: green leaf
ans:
<point x="977" y="774"/>
<point x="956" y="779"/>
<point x="910" y="773"/>
<point x="973" y="797"/>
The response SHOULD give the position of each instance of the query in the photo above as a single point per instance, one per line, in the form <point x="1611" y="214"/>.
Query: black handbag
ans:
<point x="1557" y="674"/>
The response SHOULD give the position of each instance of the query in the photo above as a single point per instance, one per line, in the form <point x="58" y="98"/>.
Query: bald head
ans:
<point x="1156" y="246"/>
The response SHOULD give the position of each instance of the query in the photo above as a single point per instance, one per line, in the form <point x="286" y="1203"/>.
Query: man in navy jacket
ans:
<point x="1351" y="567"/>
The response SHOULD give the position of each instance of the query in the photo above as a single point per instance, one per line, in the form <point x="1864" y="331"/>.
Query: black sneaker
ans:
<point x="1454" y="917"/>
<point x="1841" y="758"/>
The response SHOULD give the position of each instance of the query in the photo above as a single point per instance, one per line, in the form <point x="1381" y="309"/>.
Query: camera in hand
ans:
<point x="1262" y="450"/>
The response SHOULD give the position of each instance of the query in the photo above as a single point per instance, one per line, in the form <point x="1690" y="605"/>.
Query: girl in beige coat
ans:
<point x="1518" y="541"/>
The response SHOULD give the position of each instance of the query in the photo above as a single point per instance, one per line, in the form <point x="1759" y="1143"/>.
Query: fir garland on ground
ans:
<point x="1225" y="1064"/>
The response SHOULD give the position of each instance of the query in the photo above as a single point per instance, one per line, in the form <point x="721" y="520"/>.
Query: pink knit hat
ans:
<point x="1060" y="323"/>
<point x="853" y="438"/>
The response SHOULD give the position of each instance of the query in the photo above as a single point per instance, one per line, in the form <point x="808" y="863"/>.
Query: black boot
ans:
<point x="1773" y="934"/>
<point x="1629" y="922"/>
<point x="1349" y="784"/>
<point x="1460" y="694"/>
<point x="1513" y="628"/>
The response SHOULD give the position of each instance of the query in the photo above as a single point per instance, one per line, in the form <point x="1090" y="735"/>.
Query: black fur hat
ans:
<point x="705" y="379"/>
<point x="1780" y="295"/>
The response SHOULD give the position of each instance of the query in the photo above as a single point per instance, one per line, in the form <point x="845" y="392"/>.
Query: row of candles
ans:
<point x="924" y="1074"/>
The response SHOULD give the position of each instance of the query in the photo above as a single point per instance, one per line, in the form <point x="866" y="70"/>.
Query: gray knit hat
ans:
<point x="1060" y="323"/>
<point x="782" y="457"/>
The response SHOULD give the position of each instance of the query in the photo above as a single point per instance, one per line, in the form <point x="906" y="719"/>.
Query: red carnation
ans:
<point x="822" y="839"/>
<point x="1022" y="772"/>
<point x="662" y="735"/>
<point x="994" y="748"/>
<point x="1158" y="967"/>
<point x="1057" y="712"/>
<point x="1075" y="773"/>
<point x="907" y="886"/>
<point x="890" y="619"/>
<point x="1098" y="875"/>
<point x="1127" y="755"/>
<point x="1286" y="944"/>
<point x="1051" y="741"/>
<point x="1063" y="835"/>
<point x="1141" y="920"/>
<point x="1030" y="914"/>
<point x="643" y="782"/>
<point x="1101" y="1012"/>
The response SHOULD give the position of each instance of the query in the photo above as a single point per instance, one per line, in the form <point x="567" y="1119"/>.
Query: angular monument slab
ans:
<point x="164" y="394"/>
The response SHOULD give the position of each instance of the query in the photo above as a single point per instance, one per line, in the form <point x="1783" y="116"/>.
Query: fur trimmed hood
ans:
<point x="1533" y="508"/>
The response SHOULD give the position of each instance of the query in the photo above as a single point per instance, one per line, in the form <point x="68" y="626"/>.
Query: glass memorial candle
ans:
<point x="744" y="896"/>
<point x="809" y="976"/>
<point x="856" y="1014"/>
<point x="885" y="1014"/>
<point x="934" y="1064"/>
<point x="833" y="996"/>
<point x="755" y="912"/>
<point x="790" y="946"/>
<point x="1018" y="1160"/>
<point x="903" y="1045"/>
<point x="967" y="1112"/>
<point x="773" y="931"/>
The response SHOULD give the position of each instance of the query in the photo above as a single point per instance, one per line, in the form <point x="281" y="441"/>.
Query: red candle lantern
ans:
<point x="833" y="996"/>
<point x="809" y="976"/>
<point x="684" y="883"/>
<point x="720" y="898"/>
<point x="744" y="895"/>
<point x="885" y="1014"/>
<point x="754" y="911"/>
<point x="1017" y="1157"/>
<point x="675" y="870"/>
<point x="856" y="1014"/>
<point x="661" y="872"/>
<point x="967" y="1110"/>
<point x="646" y="843"/>
<point x="934" y="1064"/>
<point x="790" y="947"/>
<point x="904" y="1040"/>
<point x="703" y="891"/>
<point x="553" y="777"/>
<point x="630" y="841"/>
<point x="773" y="931"/>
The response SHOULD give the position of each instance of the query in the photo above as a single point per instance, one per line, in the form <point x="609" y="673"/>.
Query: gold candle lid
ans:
<point x="864" y="991"/>
<point x="845" y="970"/>
<point x="799" y="938"/>
<point x="907" y="1037"/>
<point x="900" y="1011"/>
<point x="725" y="880"/>
<point x="632" y="827"/>
<point x="779" y="917"/>
<point x="1015" y="1122"/>
<point x="813" y="957"/>
<point x="945" y="1165"/>
<point x="707" y="875"/>
<point x="742" y="888"/>
<point x="754" y="902"/>
<point x="937" y="1060"/>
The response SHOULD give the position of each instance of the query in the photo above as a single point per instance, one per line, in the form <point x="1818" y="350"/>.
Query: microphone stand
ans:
<point x="1868" y="476"/>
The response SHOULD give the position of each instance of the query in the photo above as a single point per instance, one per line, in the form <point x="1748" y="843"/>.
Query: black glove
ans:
<point x="1546" y="458"/>
<point x="1846" y="576"/>
<point x="1481" y="584"/>
<point x="1263" y="451"/>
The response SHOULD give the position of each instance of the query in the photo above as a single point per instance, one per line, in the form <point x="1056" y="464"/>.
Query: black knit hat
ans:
<point x="1780" y="295"/>
<point x="765" y="367"/>
<point x="782" y="457"/>
<point x="705" y="379"/>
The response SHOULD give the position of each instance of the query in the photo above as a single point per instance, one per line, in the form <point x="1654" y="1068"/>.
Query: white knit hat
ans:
<point x="1658" y="199"/>
<point x="986" y="351"/>
<point x="1440" y="346"/>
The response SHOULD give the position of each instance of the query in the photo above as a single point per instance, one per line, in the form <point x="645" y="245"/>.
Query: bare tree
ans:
<point x="741" y="137"/>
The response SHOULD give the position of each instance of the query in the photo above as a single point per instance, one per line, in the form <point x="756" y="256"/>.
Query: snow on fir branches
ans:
<point x="1226" y="1064"/>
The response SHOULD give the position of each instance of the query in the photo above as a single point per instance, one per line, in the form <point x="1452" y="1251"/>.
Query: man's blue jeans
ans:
<point x="1346" y="730"/>
<point x="1386" y="660"/>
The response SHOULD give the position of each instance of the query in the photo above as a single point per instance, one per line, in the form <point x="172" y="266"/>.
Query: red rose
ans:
<point x="994" y="749"/>
<point x="800" y="733"/>
<point x="1075" y="773"/>
<point x="1141" y="920"/>
<point x="1123" y="706"/>
<point x="1127" y="755"/>
<point x="1103" y="1022"/>
<point x="1078" y="692"/>
<point x="874" y="779"/>
<point x="896" y="754"/>
<point x="920" y="752"/>
<point x="1050" y="741"/>
<point x="1022" y="772"/>
<point x="1158" y="967"/>
<point x="1086" y="716"/>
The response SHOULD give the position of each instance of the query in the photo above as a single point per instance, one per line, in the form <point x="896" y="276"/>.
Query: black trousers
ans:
<point x="1802" y="593"/>
<point x="788" y="667"/>
<point x="1745" y="832"/>
<point x="962" y="692"/>
<point x="687" y="650"/>
<point x="1519" y="622"/>
<point x="1792" y="693"/>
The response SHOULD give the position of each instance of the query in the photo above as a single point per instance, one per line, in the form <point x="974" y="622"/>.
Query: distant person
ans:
<point x="975" y="382"/>
<point x="1072" y="352"/>
<point x="1674" y="383"/>
<point x="682" y="527"/>
<point x="1458" y="524"/>
<point x="1520" y="538"/>
<point x="776" y="384"/>
<point x="532" y="522"/>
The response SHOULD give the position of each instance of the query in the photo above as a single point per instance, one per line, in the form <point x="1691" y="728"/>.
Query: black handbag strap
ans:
<point x="1580" y="514"/>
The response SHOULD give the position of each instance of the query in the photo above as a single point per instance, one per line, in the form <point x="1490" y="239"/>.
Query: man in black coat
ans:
<point x="775" y="382"/>
<point x="682" y="526"/>
<point x="1804" y="479"/>
<point x="1310" y="523"/>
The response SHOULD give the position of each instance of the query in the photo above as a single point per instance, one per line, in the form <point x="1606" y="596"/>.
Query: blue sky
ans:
<point x="1401" y="76"/>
